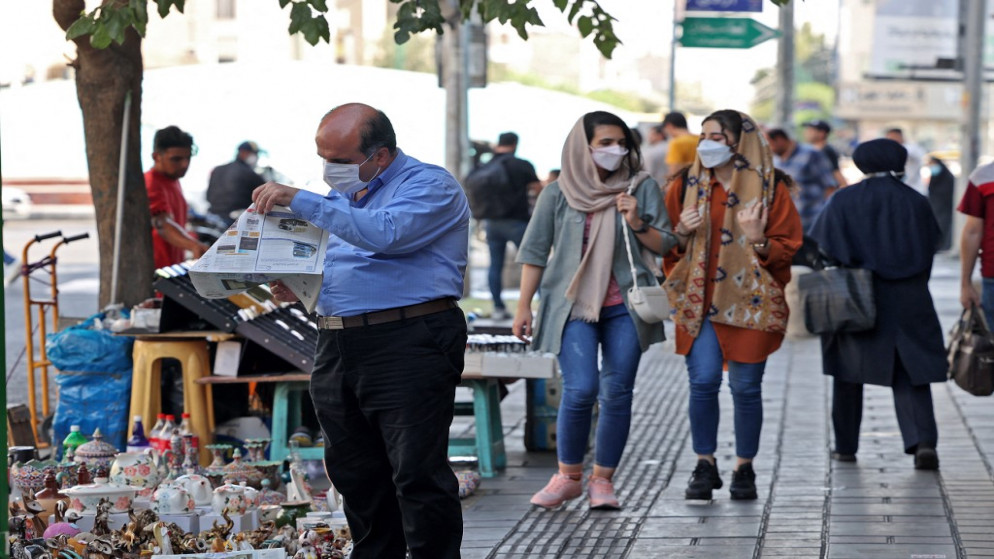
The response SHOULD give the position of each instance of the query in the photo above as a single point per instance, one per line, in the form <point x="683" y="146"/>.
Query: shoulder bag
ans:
<point x="649" y="303"/>
<point x="971" y="353"/>
<point x="837" y="299"/>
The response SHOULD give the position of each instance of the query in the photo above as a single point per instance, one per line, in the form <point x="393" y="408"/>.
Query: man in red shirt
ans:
<point x="172" y="150"/>
<point x="978" y="238"/>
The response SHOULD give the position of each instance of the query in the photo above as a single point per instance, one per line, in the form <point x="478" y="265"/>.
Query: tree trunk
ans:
<point x="103" y="78"/>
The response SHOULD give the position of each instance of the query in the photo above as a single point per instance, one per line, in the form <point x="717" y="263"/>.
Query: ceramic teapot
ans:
<point x="137" y="469"/>
<point x="199" y="487"/>
<point x="172" y="498"/>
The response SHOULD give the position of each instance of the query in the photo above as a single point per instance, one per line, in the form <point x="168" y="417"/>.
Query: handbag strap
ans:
<point x="628" y="242"/>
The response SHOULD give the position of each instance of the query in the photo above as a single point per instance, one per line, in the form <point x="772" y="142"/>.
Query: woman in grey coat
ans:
<point x="574" y="248"/>
<point x="883" y="225"/>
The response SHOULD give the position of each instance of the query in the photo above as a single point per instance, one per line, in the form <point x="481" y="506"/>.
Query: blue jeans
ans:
<point x="610" y="384"/>
<point x="987" y="301"/>
<point x="499" y="233"/>
<point x="704" y="365"/>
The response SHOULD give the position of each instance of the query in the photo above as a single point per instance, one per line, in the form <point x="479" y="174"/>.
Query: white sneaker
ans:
<point x="500" y="314"/>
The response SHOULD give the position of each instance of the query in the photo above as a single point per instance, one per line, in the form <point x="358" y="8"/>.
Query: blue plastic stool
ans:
<point x="488" y="445"/>
<point x="287" y="413"/>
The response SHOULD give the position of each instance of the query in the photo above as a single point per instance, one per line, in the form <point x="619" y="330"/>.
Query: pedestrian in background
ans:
<point x="229" y="190"/>
<point x="883" y="225"/>
<point x="810" y="170"/>
<point x="916" y="156"/>
<point x="816" y="135"/>
<point x="574" y="248"/>
<point x="738" y="230"/>
<point x="172" y="150"/>
<point x="505" y="219"/>
<point x="941" y="185"/>
<point x="977" y="240"/>
<point x="681" y="143"/>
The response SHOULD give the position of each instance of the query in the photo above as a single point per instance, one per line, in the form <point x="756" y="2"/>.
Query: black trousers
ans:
<point x="384" y="398"/>
<point x="913" y="405"/>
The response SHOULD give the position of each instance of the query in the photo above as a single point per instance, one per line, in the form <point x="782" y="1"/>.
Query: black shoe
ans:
<point x="926" y="459"/>
<point x="743" y="487"/>
<point x="842" y="457"/>
<point x="704" y="479"/>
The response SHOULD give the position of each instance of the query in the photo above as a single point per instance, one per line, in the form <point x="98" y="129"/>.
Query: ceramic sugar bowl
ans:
<point x="85" y="498"/>
<point x="199" y="487"/>
<point x="96" y="454"/>
<point x="172" y="498"/>
<point x="137" y="469"/>
<point x="231" y="498"/>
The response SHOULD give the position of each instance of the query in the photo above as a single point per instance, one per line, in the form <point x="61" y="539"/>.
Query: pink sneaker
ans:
<point x="601" y="492"/>
<point x="559" y="490"/>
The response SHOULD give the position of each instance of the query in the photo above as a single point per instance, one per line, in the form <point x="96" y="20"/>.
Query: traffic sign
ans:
<point x="724" y="32"/>
<point x="725" y="5"/>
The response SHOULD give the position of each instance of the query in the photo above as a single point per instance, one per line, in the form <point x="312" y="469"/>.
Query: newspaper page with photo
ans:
<point x="258" y="249"/>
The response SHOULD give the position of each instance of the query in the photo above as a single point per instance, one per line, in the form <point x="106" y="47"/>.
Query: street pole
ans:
<point x="973" y="70"/>
<point x="785" y="69"/>
<point x="455" y="90"/>
<point x="673" y="44"/>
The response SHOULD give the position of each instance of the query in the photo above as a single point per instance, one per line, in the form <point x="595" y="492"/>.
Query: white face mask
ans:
<point x="713" y="154"/>
<point x="344" y="177"/>
<point x="609" y="157"/>
<point x="251" y="160"/>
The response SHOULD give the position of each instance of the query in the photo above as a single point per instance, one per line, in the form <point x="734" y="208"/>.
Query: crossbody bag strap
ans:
<point x="628" y="242"/>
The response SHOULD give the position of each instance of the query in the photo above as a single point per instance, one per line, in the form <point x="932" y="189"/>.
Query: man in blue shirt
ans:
<point x="810" y="169"/>
<point x="392" y="340"/>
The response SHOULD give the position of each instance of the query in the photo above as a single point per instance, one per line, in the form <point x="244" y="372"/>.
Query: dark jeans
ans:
<point x="913" y="404"/>
<point x="499" y="233"/>
<point x="384" y="397"/>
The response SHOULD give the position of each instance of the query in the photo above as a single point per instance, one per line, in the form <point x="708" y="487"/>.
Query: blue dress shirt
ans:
<point x="405" y="242"/>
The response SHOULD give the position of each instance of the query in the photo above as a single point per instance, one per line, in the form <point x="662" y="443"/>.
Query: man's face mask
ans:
<point x="344" y="177"/>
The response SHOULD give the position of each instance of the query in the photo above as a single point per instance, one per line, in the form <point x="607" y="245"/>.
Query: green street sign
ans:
<point x="724" y="32"/>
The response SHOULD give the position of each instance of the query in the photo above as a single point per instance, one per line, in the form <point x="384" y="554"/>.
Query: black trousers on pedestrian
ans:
<point x="384" y="397"/>
<point x="913" y="404"/>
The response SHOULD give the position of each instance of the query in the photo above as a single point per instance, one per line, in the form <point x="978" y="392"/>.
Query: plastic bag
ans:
<point x="86" y="348"/>
<point x="93" y="400"/>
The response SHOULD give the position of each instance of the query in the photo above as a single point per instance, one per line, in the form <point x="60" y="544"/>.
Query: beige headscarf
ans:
<point x="745" y="294"/>
<point x="585" y="192"/>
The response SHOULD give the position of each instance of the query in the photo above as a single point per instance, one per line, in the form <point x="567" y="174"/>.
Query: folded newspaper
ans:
<point x="258" y="249"/>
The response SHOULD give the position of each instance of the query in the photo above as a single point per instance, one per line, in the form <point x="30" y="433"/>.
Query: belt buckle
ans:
<point x="332" y="323"/>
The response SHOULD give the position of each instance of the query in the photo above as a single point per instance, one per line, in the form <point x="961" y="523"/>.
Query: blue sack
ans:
<point x="84" y="349"/>
<point x="94" y="381"/>
<point x="93" y="400"/>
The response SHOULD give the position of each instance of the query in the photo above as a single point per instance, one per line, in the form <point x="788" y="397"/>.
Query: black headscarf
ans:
<point x="880" y="223"/>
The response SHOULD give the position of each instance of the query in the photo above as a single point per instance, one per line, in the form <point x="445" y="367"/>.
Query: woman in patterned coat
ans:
<point x="738" y="230"/>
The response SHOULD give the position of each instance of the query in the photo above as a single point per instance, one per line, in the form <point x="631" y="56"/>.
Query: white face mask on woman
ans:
<point x="344" y="177"/>
<point x="608" y="157"/>
<point x="713" y="154"/>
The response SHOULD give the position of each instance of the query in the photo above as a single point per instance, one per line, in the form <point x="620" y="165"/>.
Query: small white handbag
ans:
<point x="649" y="303"/>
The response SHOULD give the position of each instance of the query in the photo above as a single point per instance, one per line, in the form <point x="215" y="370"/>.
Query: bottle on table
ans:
<point x="72" y="441"/>
<point x="138" y="441"/>
<point x="185" y="429"/>
<point x="153" y="433"/>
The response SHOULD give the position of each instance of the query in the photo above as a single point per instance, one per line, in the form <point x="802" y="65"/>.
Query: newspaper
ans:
<point x="258" y="249"/>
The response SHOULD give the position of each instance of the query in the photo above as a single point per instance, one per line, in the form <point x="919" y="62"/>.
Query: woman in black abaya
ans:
<point x="883" y="225"/>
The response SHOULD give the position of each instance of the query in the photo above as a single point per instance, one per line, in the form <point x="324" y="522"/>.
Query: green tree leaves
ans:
<point x="110" y="21"/>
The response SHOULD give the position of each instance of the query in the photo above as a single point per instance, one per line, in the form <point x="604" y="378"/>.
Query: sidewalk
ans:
<point x="809" y="506"/>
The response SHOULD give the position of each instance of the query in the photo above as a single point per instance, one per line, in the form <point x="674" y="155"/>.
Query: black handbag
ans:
<point x="971" y="353"/>
<point x="837" y="299"/>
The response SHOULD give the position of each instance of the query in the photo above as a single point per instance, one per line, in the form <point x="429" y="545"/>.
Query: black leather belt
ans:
<point x="385" y="316"/>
